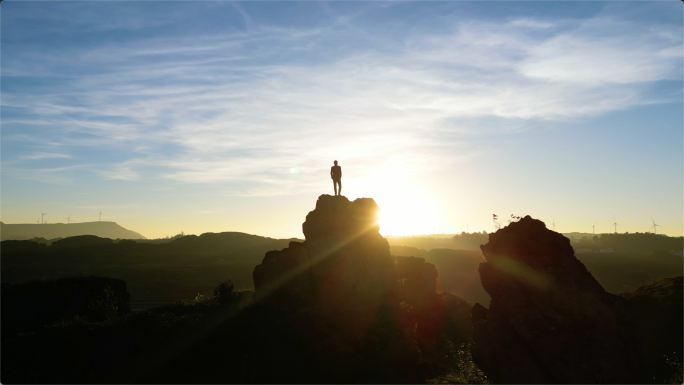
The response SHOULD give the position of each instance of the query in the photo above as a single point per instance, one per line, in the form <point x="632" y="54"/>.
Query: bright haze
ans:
<point x="227" y="116"/>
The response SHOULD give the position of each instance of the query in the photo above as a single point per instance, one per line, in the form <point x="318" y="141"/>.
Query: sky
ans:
<point x="226" y="116"/>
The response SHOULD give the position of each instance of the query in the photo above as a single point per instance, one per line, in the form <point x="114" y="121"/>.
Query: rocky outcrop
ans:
<point x="549" y="320"/>
<point x="418" y="280"/>
<point x="343" y="261"/>
<point x="285" y="271"/>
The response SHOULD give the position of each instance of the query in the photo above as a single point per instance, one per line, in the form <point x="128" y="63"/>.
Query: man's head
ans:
<point x="335" y="163"/>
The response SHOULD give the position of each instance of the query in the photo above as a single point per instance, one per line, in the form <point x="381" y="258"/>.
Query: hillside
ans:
<point x="62" y="230"/>
<point x="659" y="304"/>
<point x="155" y="273"/>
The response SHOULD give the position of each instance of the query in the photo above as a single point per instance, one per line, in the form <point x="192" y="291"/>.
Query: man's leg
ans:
<point x="339" y="182"/>
<point x="335" y="186"/>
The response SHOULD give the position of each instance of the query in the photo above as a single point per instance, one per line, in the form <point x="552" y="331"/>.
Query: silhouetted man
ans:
<point x="336" y="175"/>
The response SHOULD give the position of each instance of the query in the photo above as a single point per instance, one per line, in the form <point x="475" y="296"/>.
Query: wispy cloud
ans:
<point x="51" y="175"/>
<point x="123" y="173"/>
<point x="249" y="106"/>
<point x="583" y="59"/>
<point x="44" y="155"/>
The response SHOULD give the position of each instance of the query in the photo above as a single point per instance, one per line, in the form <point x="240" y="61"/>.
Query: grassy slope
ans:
<point x="200" y="342"/>
<point x="155" y="273"/>
<point x="660" y="304"/>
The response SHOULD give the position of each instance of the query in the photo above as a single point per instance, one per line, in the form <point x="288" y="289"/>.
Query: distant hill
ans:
<point x="407" y="251"/>
<point x="458" y="273"/>
<point x="231" y="245"/>
<point x="579" y="235"/>
<point x="62" y="230"/>
<point x="425" y="242"/>
<point x="154" y="273"/>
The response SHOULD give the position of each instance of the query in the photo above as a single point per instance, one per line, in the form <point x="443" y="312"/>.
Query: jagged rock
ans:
<point x="479" y="312"/>
<point x="344" y="259"/>
<point x="549" y="320"/>
<point x="418" y="280"/>
<point x="285" y="270"/>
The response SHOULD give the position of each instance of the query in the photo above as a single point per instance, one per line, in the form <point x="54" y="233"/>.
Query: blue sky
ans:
<point x="226" y="116"/>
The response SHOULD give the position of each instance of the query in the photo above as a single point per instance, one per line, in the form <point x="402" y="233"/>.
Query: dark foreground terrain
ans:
<point x="243" y="341"/>
<point x="338" y="307"/>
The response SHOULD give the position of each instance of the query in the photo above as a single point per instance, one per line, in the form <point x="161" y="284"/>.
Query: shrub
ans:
<point x="463" y="369"/>
<point x="106" y="309"/>
<point x="224" y="294"/>
<point x="674" y="364"/>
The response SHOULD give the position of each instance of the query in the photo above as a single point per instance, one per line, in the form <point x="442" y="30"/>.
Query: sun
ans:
<point x="407" y="208"/>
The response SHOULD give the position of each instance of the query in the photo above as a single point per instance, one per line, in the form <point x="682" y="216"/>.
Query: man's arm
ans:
<point x="331" y="173"/>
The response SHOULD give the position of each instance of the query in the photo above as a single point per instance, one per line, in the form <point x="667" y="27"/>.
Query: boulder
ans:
<point x="418" y="280"/>
<point x="284" y="271"/>
<point x="343" y="261"/>
<point x="549" y="320"/>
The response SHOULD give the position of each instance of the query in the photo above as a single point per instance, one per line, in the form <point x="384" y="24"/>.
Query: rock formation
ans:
<point x="549" y="320"/>
<point x="353" y="312"/>
<point x="418" y="280"/>
<point x="344" y="259"/>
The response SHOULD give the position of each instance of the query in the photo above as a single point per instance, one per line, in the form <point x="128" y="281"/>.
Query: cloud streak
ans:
<point x="44" y="155"/>
<point x="245" y="108"/>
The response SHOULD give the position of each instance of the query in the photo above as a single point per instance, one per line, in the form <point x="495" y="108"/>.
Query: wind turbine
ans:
<point x="615" y="224"/>
<point x="655" y="226"/>
<point x="100" y="220"/>
<point x="592" y="228"/>
<point x="68" y="219"/>
<point x="42" y="215"/>
<point x="554" y="224"/>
